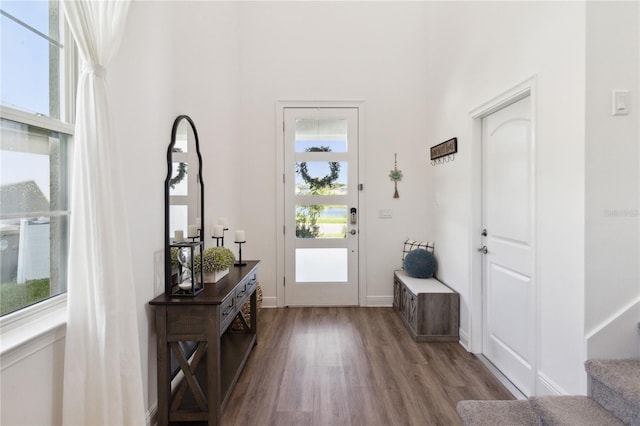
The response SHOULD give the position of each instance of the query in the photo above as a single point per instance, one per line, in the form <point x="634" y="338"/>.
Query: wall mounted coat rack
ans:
<point x="444" y="152"/>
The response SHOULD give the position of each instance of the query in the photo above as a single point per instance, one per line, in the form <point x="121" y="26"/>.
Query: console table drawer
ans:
<point x="244" y="290"/>
<point x="252" y="281"/>
<point x="228" y="309"/>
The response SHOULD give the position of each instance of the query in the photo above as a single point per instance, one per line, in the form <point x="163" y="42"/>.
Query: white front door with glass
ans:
<point x="321" y="206"/>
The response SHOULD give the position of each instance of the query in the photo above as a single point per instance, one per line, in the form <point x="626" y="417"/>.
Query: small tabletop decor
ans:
<point x="240" y="240"/>
<point x="218" y="231"/>
<point x="217" y="261"/>
<point x="395" y="175"/>
<point x="189" y="277"/>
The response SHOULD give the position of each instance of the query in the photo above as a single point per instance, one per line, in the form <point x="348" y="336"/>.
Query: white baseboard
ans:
<point x="546" y="386"/>
<point x="464" y="339"/>
<point x="502" y="378"/>
<point x="269" y="302"/>
<point x="372" y="301"/>
<point x="152" y="415"/>
<point x="380" y="301"/>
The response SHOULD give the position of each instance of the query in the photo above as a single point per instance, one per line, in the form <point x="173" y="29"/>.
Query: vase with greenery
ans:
<point x="216" y="264"/>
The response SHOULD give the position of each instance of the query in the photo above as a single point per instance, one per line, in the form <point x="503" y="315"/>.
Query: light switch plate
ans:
<point x="385" y="213"/>
<point x="620" y="102"/>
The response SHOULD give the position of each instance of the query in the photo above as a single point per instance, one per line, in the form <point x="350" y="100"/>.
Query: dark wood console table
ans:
<point x="197" y="347"/>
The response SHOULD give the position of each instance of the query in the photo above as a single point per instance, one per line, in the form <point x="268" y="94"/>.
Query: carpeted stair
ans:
<point x="571" y="410"/>
<point x="615" y="400"/>
<point x="485" y="413"/>
<point x="615" y="384"/>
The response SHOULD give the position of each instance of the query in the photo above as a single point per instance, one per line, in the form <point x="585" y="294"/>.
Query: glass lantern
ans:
<point x="189" y="280"/>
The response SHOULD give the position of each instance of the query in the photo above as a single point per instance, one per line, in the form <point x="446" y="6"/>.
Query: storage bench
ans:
<point x="429" y="309"/>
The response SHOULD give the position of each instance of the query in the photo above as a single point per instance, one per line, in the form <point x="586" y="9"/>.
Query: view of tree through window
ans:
<point x="34" y="155"/>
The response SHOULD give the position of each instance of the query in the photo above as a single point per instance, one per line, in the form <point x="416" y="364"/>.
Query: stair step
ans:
<point x="615" y="384"/>
<point x="572" y="410"/>
<point x="497" y="413"/>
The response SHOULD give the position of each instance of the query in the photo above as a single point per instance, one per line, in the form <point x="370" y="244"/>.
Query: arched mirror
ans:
<point x="184" y="211"/>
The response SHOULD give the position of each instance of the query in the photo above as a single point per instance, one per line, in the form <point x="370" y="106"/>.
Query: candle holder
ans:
<point x="240" y="262"/>
<point x="195" y="238"/>
<point x="218" y="239"/>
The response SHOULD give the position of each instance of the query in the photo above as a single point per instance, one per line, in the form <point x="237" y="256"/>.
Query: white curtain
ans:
<point x="102" y="369"/>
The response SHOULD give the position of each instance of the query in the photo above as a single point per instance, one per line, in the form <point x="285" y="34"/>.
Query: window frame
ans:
<point x="46" y="318"/>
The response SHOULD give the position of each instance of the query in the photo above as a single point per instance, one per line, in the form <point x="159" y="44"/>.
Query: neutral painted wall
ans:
<point x="141" y="80"/>
<point x="31" y="384"/>
<point x="483" y="49"/>
<point x="612" y="233"/>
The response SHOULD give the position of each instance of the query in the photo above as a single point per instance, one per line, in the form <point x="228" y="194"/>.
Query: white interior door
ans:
<point x="321" y="206"/>
<point x="508" y="300"/>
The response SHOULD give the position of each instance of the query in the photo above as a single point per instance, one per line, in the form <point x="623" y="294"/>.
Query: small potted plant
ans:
<point x="217" y="261"/>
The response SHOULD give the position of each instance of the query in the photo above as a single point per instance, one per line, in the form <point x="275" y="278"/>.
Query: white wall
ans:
<point x="142" y="80"/>
<point x="481" y="50"/>
<point x="31" y="381"/>
<point x="205" y="86"/>
<point x="612" y="233"/>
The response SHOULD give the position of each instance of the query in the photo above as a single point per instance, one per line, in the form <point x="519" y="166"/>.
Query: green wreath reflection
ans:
<point x="182" y="172"/>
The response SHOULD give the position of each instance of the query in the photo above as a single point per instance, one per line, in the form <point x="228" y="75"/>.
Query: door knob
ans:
<point x="353" y="232"/>
<point x="483" y="250"/>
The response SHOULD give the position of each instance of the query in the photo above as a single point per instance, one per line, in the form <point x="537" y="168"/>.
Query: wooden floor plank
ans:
<point x="351" y="367"/>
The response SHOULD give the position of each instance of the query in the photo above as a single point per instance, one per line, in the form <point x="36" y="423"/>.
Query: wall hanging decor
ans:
<point x="444" y="152"/>
<point x="395" y="175"/>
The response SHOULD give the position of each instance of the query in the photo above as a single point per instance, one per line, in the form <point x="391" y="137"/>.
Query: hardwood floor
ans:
<point x="352" y="366"/>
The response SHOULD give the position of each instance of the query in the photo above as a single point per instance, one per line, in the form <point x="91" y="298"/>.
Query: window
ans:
<point x="38" y="81"/>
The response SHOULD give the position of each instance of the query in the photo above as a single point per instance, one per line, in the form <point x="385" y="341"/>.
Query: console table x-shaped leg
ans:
<point x="189" y="371"/>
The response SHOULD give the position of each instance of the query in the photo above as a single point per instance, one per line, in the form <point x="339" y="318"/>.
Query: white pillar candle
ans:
<point x="193" y="231"/>
<point x="178" y="235"/>
<point x="222" y="221"/>
<point x="240" y="236"/>
<point x="218" y="231"/>
<point x="198" y="223"/>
